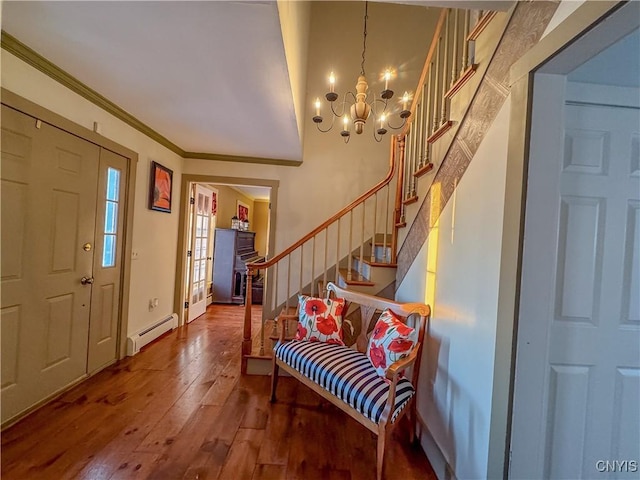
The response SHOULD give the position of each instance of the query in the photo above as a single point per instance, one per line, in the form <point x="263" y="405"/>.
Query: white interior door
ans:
<point x="577" y="384"/>
<point x="199" y="248"/>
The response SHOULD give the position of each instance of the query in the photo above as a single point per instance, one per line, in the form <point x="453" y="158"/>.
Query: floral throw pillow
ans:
<point x="320" y="320"/>
<point x="390" y="341"/>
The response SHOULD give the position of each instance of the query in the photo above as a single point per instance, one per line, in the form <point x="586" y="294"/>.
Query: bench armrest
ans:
<point x="396" y="367"/>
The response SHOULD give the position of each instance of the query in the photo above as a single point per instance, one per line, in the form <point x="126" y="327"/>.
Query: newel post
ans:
<point x="397" y="212"/>
<point x="246" y="337"/>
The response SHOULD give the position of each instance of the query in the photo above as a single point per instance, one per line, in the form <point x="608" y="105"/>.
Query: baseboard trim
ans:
<point x="430" y="447"/>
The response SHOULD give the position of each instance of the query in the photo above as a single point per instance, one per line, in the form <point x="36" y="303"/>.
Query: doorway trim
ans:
<point x="34" y="110"/>
<point x="580" y="22"/>
<point x="181" y="253"/>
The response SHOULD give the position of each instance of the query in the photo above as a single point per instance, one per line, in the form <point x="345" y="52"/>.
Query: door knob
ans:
<point x="86" y="280"/>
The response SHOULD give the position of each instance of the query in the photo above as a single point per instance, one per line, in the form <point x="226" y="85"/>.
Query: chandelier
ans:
<point x="360" y="110"/>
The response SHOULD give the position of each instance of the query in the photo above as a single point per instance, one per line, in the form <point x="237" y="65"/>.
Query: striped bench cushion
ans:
<point x="346" y="374"/>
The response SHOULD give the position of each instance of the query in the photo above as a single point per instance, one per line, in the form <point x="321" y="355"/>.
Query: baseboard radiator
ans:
<point x="139" y="339"/>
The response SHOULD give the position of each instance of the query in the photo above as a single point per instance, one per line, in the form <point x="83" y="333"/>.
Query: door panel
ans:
<point x="107" y="264"/>
<point x="577" y="383"/>
<point x="49" y="180"/>
<point x="200" y="244"/>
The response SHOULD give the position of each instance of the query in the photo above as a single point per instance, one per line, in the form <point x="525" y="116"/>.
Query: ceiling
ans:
<point x="209" y="76"/>
<point x="212" y="76"/>
<point x="253" y="192"/>
<point x="618" y="65"/>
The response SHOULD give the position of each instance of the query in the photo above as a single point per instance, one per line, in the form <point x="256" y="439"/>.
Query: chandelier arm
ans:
<point x="379" y="100"/>
<point x="330" y="126"/>
<point x="344" y="104"/>
<point x="404" y="122"/>
<point x="375" y="136"/>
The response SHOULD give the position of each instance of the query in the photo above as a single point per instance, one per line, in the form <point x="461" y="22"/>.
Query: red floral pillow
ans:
<point x="390" y="341"/>
<point x="320" y="320"/>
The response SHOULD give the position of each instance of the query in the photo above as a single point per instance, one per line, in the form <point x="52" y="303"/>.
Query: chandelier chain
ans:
<point x="364" y="40"/>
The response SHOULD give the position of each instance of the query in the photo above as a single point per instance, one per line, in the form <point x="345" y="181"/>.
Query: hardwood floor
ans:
<point x="181" y="410"/>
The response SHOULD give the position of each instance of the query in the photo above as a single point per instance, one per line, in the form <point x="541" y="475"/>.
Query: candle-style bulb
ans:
<point x="317" y="107"/>
<point x="332" y="82"/>
<point x="387" y="77"/>
<point x="405" y="100"/>
<point x="383" y="117"/>
<point x="345" y="122"/>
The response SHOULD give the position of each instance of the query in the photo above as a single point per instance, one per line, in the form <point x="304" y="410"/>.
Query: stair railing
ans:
<point x="449" y="65"/>
<point x="359" y="233"/>
<point x="367" y="220"/>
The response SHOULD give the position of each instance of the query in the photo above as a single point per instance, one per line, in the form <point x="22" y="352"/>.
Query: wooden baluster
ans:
<point x="406" y="186"/>
<point x="419" y="129"/>
<point x="313" y="264"/>
<point x="337" y="253"/>
<point x="375" y="227"/>
<point x="301" y="268"/>
<point x="361" y="262"/>
<point x="286" y="303"/>
<point x="465" y="42"/>
<point x="427" y="129"/>
<point x="326" y="250"/>
<point x="276" y="281"/>
<point x="386" y="227"/>
<point x="454" y="63"/>
<point x="416" y="125"/>
<point x="436" y="88"/>
<point x="443" y="116"/>
<point x="349" y="257"/>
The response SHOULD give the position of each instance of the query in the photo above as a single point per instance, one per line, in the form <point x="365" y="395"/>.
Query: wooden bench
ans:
<point x="379" y="416"/>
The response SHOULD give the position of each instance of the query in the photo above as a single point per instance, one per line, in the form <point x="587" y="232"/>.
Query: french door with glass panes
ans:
<point x="199" y="245"/>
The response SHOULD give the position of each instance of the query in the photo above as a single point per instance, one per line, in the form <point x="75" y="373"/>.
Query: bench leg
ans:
<point x="274" y="379"/>
<point x="382" y="437"/>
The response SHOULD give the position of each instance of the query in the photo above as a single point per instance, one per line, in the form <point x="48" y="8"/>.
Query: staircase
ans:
<point x="358" y="246"/>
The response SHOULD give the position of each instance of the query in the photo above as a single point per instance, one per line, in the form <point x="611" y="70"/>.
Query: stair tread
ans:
<point x="355" y="278"/>
<point x="379" y="262"/>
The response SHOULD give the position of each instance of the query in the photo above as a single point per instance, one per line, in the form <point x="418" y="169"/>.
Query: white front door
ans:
<point x="199" y="248"/>
<point x="577" y="386"/>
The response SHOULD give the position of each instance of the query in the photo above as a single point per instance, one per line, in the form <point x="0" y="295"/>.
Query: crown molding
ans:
<point x="37" y="61"/>
<point x="241" y="159"/>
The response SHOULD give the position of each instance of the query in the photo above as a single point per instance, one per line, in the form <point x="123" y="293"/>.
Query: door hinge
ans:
<point x="186" y="304"/>
<point x="192" y="201"/>
<point x="188" y="253"/>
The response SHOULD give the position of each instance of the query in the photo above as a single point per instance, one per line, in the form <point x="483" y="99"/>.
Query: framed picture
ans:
<point x="160" y="187"/>
<point x="243" y="211"/>
<point x="214" y="203"/>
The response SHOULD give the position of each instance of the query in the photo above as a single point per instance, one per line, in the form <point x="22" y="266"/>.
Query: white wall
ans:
<point x="456" y="380"/>
<point x="154" y="233"/>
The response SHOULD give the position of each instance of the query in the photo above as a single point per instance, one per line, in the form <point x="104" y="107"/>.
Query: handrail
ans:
<point x="365" y="196"/>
